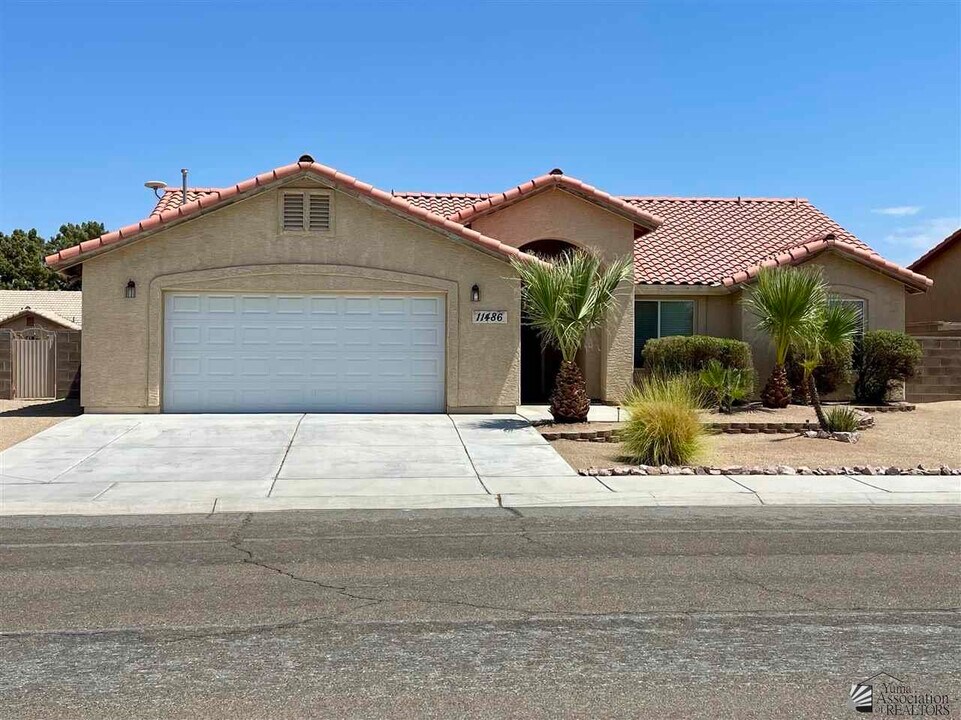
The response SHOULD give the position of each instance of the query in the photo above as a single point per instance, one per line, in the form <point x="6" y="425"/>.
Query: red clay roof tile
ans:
<point x="694" y="241"/>
<point x="170" y="208"/>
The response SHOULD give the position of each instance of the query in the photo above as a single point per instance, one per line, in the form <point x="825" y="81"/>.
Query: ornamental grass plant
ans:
<point x="663" y="427"/>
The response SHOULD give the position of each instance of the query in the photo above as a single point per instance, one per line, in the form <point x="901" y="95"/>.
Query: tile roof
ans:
<point x="556" y="179"/>
<point x="445" y="204"/>
<point x="949" y="241"/>
<point x="828" y="241"/>
<point x="172" y="198"/>
<point x="703" y="240"/>
<point x="212" y="198"/>
<point x="689" y="241"/>
<point x="63" y="306"/>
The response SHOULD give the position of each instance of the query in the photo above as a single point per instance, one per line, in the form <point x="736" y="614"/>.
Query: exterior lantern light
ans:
<point x="475" y="294"/>
<point x="130" y="291"/>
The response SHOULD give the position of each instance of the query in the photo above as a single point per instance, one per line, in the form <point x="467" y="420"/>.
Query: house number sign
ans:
<point x="487" y="317"/>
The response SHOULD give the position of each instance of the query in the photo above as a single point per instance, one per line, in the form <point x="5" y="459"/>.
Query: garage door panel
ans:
<point x="229" y="352"/>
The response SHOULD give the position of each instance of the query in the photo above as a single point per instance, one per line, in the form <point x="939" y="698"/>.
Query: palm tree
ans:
<point x="834" y="329"/>
<point x="563" y="300"/>
<point x="787" y="303"/>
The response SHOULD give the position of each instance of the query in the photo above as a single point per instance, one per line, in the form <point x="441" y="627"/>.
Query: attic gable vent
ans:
<point x="293" y="211"/>
<point x="318" y="216"/>
<point x="306" y="211"/>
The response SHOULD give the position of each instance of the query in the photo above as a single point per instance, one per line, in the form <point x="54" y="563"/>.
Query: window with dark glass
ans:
<point x="660" y="318"/>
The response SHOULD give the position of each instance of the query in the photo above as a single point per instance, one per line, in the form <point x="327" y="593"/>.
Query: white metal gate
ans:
<point x="34" y="354"/>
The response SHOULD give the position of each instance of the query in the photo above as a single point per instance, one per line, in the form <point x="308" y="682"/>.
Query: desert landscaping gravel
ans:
<point x="931" y="435"/>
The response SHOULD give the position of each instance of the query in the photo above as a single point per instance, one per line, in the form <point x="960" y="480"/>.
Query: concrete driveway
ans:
<point x="204" y="463"/>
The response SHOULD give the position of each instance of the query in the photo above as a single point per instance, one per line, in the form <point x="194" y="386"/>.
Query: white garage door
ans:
<point x="232" y="352"/>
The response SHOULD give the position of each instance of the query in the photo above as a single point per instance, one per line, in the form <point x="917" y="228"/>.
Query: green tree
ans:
<point x="21" y="261"/>
<point x="22" y="255"/>
<point x="563" y="300"/>
<point x="787" y="303"/>
<point x="71" y="234"/>
<point x="832" y="332"/>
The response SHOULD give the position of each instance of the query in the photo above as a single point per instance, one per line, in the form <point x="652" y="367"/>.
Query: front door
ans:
<point x="539" y="366"/>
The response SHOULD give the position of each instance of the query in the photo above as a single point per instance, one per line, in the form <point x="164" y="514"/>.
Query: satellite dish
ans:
<point x="156" y="186"/>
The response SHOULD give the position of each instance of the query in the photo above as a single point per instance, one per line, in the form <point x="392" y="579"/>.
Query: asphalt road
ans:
<point x="648" y="612"/>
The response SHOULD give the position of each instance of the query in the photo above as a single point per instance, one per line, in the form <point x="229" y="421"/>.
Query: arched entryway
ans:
<point x="539" y="364"/>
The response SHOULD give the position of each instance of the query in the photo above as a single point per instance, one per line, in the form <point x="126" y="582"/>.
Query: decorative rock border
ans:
<point x="608" y="435"/>
<point x="767" y="470"/>
<point x="893" y="407"/>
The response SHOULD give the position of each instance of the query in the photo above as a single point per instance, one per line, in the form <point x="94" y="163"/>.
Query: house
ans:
<point x="39" y="364"/>
<point x="934" y="318"/>
<point x="46" y="309"/>
<point x="938" y="311"/>
<point x="306" y="289"/>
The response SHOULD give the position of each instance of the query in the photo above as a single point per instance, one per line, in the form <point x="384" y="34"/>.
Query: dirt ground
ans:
<point x="931" y="435"/>
<point x="792" y="413"/>
<point x="20" y="419"/>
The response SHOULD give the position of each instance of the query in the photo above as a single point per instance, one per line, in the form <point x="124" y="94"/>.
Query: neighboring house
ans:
<point x="39" y="364"/>
<point x="306" y="289"/>
<point x="46" y="309"/>
<point x="935" y="320"/>
<point x="938" y="311"/>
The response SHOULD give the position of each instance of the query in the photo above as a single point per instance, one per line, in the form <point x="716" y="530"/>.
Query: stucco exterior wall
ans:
<point x="607" y="359"/>
<point x="942" y="301"/>
<point x="240" y="247"/>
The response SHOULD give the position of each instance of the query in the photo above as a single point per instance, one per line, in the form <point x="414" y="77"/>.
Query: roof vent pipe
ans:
<point x="183" y="173"/>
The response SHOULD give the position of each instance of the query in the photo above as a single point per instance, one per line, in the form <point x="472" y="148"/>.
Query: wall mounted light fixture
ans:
<point x="130" y="291"/>
<point x="475" y="294"/>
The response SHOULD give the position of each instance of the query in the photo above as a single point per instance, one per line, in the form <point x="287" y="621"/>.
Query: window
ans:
<point x="660" y="318"/>
<point x="859" y="305"/>
<point x="306" y="211"/>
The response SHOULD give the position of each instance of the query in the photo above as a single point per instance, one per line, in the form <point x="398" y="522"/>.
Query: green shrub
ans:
<point x="724" y="386"/>
<point x="886" y="357"/>
<point x="692" y="353"/>
<point x="843" y="419"/>
<point x="833" y="372"/>
<point x="663" y="427"/>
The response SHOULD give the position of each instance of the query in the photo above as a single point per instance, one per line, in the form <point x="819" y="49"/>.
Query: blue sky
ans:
<point x="854" y="105"/>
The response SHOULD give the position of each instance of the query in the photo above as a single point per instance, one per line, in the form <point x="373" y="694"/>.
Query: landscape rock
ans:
<point x="848" y="437"/>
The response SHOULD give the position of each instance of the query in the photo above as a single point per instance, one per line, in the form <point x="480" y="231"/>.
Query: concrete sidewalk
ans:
<point x="158" y="464"/>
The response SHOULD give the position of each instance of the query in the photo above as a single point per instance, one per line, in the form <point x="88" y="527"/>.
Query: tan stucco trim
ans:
<point x="655" y="291"/>
<point x="219" y="279"/>
<point x="484" y="410"/>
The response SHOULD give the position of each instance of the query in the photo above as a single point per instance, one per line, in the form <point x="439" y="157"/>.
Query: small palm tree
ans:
<point x="834" y="329"/>
<point x="787" y="303"/>
<point x="563" y="300"/>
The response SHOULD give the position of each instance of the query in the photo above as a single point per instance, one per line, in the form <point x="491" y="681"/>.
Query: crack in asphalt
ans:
<point x="348" y="591"/>
<point x="786" y="593"/>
